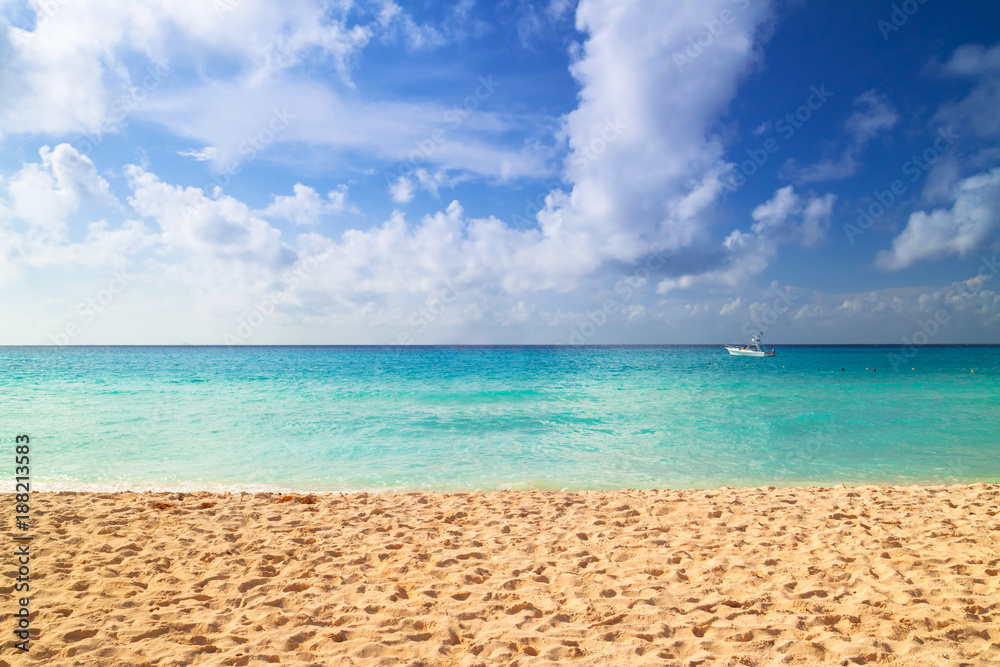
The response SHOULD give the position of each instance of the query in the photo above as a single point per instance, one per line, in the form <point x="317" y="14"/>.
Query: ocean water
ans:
<point x="483" y="418"/>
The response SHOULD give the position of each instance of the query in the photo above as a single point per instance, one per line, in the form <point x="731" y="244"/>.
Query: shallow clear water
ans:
<point x="449" y="418"/>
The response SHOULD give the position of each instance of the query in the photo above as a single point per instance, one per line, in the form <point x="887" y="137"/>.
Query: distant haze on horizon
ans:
<point x="554" y="172"/>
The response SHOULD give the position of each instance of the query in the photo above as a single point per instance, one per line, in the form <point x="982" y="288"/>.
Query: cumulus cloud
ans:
<point x="785" y="218"/>
<point x="972" y="221"/>
<point x="397" y="24"/>
<point x="44" y="194"/>
<point x="961" y="311"/>
<point x="975" y="114"/>
<point x="467" y="271"/>
<point x="640" y="177"/>
<point x="644" y="163"/>
<point x="217" y="73"/>
<point x="960" y="307"/>
<point x="306" y="207"/>
<point x="399" y="258"/>
<point x="41" y="197"/>
<point x="731" y="306"/>
<point x="401" y="190"/>
<point x="38" y="207"/>
<point x="405" y="187"/>
<point x="642" y="167"/>
<point x="872" y="116"/>
<point x="534" y="20"/>
<point x="789" y="217"/>
<point x="66" y="75"/>
<point x="970" y="218"/>
<point x="214" y="242"/>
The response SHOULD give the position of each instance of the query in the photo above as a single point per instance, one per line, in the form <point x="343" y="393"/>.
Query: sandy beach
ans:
<point x="801" y="576"/>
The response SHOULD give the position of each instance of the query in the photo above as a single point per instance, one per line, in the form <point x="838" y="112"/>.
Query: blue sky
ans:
<point x="465" y="172"/>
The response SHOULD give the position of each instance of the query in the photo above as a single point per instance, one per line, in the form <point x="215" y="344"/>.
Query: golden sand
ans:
<point x="842" y="576"/>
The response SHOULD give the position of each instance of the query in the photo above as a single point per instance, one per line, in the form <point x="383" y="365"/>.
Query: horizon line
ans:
<point x="486" y="345"/>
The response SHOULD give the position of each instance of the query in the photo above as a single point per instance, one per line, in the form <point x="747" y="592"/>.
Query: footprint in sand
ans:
<point x="79" y="634"/>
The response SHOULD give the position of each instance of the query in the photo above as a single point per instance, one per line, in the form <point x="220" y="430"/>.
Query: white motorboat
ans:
<point x="752" y="350"/>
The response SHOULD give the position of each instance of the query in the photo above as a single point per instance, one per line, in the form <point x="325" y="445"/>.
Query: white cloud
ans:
<point x="974" y="115"/>
<point x="371" y="284"/>
<point x="730" y="306"/>
<point x="971" y="222"/>
<point x="312" y="114"/>
<point x="873" y="116"/>
<point x="640" y="177"/>
<point x="306" y="207"/>
<point x="558" y="9"/>
<point x="776" y="218"/>
<point x="963" y="310"/>
<point x="44" y="194"/>
<point x="65" y="76"/>
<point x="785" y="218"/>
<point x="397" y="24"/>
<point x="104" y="248"/>
<point x="405" y="187"/>
<point x="745" y="256"/>
<point x="38" y="208"/>
<point x="518" y="314"/>
<point x="402" y="190"/>
<point x="973" y="60"/>
<point x="644" y="162"/>
<point x="971" y="218"/>
<point x="218" y="77"/>
<point x="941" y="180"/>
<point x="206" y="154"/>
<point x="433" y="182"/>
<point x="215" y="243"/>
<point x="416" y="36"/>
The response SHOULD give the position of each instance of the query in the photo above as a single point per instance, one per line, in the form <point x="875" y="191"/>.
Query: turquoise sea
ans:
<point x="464" y="418"/>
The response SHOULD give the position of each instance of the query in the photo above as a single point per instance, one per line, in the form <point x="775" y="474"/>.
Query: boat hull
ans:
<point x="741" y="352"/>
